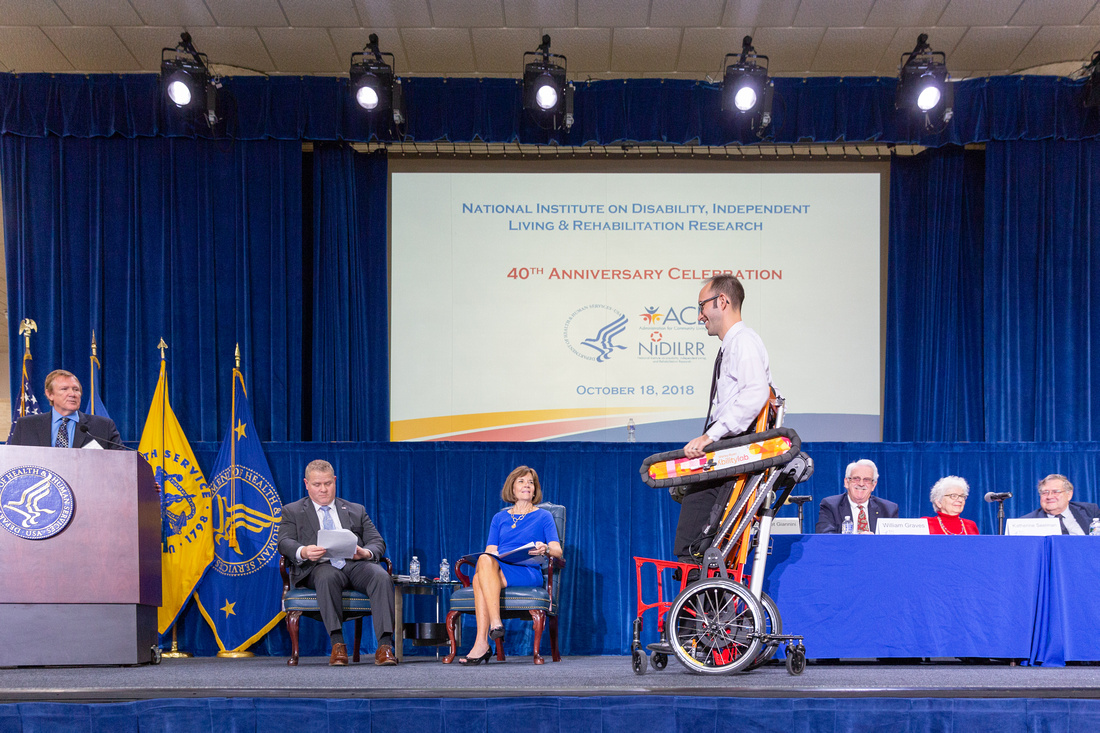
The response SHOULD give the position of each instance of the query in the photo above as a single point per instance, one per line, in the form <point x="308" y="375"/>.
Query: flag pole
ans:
<point x="243" y="654"/>
<point x="26" y="327"/>
<point x="91" y="376"/>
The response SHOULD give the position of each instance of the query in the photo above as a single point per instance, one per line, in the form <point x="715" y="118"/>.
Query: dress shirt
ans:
<point x="74" y="418"/>
<point x="743" y="382"/>
<point x="855" y="513"/>
<point x="321" y="523"/>
<point x="1071" y="522"/>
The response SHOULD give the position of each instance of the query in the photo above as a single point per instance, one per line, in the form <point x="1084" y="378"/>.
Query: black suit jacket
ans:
<point x="299" y="527"/>
<point x="35" y="430"/>
<point x="1082" y="510"/>
<point x="833" y="509"/>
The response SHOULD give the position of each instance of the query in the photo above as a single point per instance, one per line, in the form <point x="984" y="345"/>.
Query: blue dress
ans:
<point x="537" y="526"/>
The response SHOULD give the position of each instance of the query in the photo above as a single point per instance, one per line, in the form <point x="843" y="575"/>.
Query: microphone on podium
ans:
<point x="84" y="429"/>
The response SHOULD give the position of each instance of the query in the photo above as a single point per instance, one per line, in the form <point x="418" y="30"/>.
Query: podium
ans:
<point x="87" y="595"/>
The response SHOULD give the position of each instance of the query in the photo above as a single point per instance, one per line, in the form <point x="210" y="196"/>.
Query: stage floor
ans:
<point x="420" y="677"/>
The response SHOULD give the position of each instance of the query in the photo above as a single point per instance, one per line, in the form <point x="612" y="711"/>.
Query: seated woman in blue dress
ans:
<point x="511" y="528"/>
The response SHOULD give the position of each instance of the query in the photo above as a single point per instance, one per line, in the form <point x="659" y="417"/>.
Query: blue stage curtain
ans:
<point x="934" y="339"/>
<point x="608" y="111"/>
<point x="435" y="500"/>
<point x="1042" y="306"/>
<point x="193" y="241"/>
<point x="350" y="332"/>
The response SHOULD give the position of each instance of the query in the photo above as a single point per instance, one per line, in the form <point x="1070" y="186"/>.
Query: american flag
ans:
<point x="27" y="403"/>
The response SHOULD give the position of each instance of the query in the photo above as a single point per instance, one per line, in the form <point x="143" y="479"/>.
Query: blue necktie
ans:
<point x="328" y="524"/>
<point x="62" y="440"/>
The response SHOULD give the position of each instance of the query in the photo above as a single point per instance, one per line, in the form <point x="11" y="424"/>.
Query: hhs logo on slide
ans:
<point x="591" y="332"/>
<point x="35" y="503"/>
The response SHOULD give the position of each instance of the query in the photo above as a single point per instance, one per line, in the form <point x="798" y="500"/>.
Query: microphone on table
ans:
<point x="84" y="429"/>
<point x="800" y="500"/>
<point x="993" y="497"/>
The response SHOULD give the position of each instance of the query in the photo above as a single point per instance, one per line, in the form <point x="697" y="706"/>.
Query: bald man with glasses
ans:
<point x="856" y="503"/>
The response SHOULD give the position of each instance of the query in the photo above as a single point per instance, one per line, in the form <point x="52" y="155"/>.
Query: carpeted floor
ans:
<point x="573" y="676"/>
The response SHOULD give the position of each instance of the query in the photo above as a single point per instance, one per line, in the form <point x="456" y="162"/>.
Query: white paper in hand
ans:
<point x="340" y="543"/>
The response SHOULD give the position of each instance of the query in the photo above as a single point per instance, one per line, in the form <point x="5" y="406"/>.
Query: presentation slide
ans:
<point x="563" y="306"/>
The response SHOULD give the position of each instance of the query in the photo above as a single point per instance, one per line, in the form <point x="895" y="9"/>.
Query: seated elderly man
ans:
<point x="1055" y="493"/>
<point x="860" y="479"/>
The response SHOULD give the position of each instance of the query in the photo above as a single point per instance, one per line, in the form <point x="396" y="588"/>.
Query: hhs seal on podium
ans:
<point x="35" y="503"/>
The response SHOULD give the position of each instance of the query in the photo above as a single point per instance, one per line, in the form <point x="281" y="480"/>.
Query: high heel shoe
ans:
<point x="473" y="662"/>
<point x="497" y="632"/>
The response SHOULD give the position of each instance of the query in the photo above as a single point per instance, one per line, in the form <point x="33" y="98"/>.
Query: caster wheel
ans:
<point x="660" y="661"/>
<point x="796" y="660"/>
<point x="639" y="662"/>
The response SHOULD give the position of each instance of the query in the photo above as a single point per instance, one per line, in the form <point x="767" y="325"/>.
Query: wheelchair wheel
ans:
<point x="796" y="659"/>
<point x="773" y="624"/>
<point x="660" y="661"/>
<point x="638" y="661"/>
<point x="713" y="626"/>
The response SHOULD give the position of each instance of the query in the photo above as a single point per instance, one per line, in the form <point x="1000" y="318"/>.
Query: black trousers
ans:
<point x="365" y="576"/>
<point x="694" y="512"/>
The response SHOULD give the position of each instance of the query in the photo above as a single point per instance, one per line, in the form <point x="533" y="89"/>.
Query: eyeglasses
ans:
<point x="1051" y="492"/>
<point x="955" y="497"/>
<point x="704" y="302"/>
<point x="862" y="481"/>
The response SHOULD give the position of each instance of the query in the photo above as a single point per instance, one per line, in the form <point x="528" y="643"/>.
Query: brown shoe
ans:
<point x="384" y="656"/>
<point x="339" y="656"/>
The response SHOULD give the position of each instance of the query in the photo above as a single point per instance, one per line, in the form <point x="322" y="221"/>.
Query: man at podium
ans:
<point x="64" y="426"/>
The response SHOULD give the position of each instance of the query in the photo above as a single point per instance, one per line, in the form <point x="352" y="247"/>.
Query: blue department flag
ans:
<point x="241" y="595"/>
<point x="94" y="405"/>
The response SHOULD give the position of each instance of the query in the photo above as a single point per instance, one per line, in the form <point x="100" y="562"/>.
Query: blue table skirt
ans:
<point x="901" y="596"/>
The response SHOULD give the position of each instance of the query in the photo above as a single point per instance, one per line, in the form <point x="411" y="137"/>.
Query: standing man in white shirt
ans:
<point x="1074" y="517"/>
<point x="740" y="387"/>
<point x="856" y="503"/>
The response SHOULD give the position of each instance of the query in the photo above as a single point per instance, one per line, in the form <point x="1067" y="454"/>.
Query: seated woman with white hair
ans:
<point x="948" y="499"/>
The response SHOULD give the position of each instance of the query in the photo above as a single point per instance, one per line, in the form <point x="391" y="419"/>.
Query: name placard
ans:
<point x="1033" y="527"/>
<point x="901" y="526"/>
<point x="786" y="525"/>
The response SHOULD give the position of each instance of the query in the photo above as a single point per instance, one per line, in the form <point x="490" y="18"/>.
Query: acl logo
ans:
<point x="35" y="503"/>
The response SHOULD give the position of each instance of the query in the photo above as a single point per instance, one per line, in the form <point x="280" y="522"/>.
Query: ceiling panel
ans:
<point x="1052" y="12"/>
<point x="676" y="13"/>
<point x="991" y="49"/>
<point x="146" y="42"/>
<point x="394" y="13"/>
<point x="93" y="48"/>
<point x="349" y="40"/>
<point x="703" y="50"/>
<point x="770" y="13"/>
<point x="304" y="50"/>
<point x="247" y="12"/>
<point x="906" y="12"/>
<point x="587" y="50"/>
<point x="848" y="13"/>
<point x="467" y="13"/>
<point x="439" y="50"/>
<point x="500" y="50"/>
<point x="645" y="49"/>
<point x="790" y="50"/>
<point x="978" y="12"/>
<point x="616" y="13"/>
<point x="100" y="12"/>
<point x="540" y="13"/>
<point x="27" y="49"/>
<point x="31" y="12"/>
<point x="1052" y="44"/>
<point x="183" y="13"/>
<point x="856" y="49"/>
<point x="328" y="13"/>
<point x="235" y="47"/>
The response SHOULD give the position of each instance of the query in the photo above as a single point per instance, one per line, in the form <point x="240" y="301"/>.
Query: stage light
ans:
<point x="923" y="86"/>
<point x="1091" y="92"/>
<point x="373" y="83"/>
<point x="547" y="96"/>
<point x="746" y="89"/>
<point x="187" y="80"/>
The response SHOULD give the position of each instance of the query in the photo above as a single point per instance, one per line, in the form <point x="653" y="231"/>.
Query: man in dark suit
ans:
<point x="1055" y="492"/>
<point x="64" y="426"/>
<point x="860" y="479"/>
<point x="310" y="568"/>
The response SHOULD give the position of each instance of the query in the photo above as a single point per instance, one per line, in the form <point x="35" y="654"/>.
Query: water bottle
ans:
<point x="444" y="571"/>
<point x="414" y="570"/>
<point x="1094" y="528"/>
<point x="630" y="430"/>
<point x="846" y="528"/>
